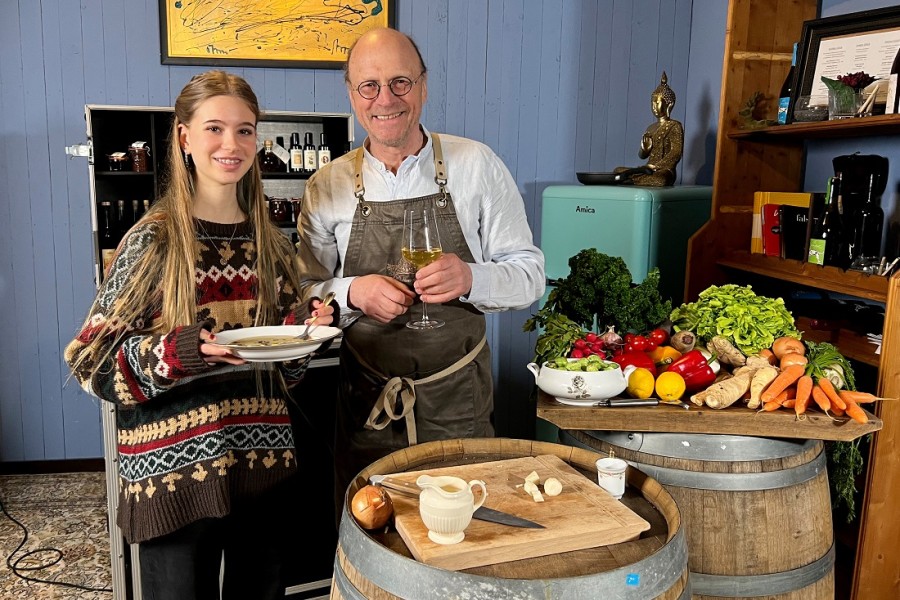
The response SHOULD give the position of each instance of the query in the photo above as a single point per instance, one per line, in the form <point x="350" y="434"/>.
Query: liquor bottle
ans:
<point x="825" y="241"/>
<point x="107" y="225"/>
<point x="893" y="95"/>
<point x="281" y="152"/>
<point x="868" y="223"/>
<point x="324" y="153"/>
<point x="296" y="153"/>
<point x="136" y="211"/>
<point x="122" y="222"/>
<point x="784" y="98"/>
<point x="269" y="163"/>
<point x="106" y="234"/>
<point x="309" y="154"/>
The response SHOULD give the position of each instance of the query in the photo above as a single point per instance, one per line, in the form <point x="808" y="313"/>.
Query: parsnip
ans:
<point x="725" y="393"/>
<point x="762" y="378"/>
<point x="552" y="487"/>
<point x="533" y="477"/>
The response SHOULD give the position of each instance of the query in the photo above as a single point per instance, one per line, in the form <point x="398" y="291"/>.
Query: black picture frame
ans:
<point x="265" y="33"/>
<point x="816" y="30"/>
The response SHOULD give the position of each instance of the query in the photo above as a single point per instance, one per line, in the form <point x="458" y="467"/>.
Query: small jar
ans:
<point x="117" y="161"/>
<point x="280" y="210"/>
<point x="140" y="155"/>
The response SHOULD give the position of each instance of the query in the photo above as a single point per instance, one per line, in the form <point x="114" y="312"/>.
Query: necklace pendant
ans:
<point x="223" y="261"/>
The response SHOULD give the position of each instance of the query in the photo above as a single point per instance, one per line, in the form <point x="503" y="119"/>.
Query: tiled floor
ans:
<point x="66" y="512"/>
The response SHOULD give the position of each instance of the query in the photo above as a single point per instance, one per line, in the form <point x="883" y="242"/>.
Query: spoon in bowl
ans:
<point x="305" y="335"/>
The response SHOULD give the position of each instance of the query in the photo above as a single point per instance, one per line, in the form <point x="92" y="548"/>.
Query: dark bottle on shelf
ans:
<point x="107" y="225"/>
<point x="136" y="210"/>
<point x="270" y="163"/>
<point x="324" y="153"/>
<point x="123" y="223"/>
<point x="826" y="240"/>
<point x="296" y="154"/>
<point x="893" y="95"/>
<point x="868" y="224"/>
<point x="309" y="154"/>
<point x="106" y="234"/>
<point x="784" y="97"/>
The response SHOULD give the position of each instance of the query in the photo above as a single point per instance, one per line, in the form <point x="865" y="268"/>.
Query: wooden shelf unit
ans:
<point x="759" y="35"/>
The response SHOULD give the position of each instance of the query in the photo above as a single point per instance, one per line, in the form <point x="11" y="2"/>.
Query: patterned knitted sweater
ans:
<point x="194" y="440"/>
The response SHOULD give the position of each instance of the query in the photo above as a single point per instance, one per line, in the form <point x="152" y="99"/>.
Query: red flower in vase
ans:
<point x="857" y="81"/>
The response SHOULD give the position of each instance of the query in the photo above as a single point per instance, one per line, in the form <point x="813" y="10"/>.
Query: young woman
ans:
<point x="204" y="439"/>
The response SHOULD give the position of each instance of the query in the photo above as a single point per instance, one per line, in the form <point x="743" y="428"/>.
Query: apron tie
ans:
<point x="406" y="388"/>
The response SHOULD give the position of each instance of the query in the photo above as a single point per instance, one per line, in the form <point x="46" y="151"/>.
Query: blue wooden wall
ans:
<point x="553" y="86"/>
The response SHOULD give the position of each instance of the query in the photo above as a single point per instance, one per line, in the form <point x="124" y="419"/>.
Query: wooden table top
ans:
<point x="734" y="420"/>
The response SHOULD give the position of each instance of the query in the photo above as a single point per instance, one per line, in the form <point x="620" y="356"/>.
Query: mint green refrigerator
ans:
<point x="647" y="226"/>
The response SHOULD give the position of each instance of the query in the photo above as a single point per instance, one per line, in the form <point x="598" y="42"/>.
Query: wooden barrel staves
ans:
<point x="380" y="566"/>
<point x="757" y="510"/>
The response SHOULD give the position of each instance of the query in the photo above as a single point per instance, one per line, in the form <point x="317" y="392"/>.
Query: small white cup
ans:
<point x="611" y="475"/>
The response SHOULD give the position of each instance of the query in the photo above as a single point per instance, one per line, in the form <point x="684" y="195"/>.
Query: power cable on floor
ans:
<point x="15" y="568"/>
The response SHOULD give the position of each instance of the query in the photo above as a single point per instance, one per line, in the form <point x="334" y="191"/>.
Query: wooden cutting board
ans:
<point x="583" y="516"/>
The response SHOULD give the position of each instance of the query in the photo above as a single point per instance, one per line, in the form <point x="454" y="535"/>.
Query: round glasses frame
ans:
<point x="399" y="86"/>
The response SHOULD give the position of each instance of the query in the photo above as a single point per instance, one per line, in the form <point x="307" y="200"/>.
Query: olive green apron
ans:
<point x="400" y="386"/>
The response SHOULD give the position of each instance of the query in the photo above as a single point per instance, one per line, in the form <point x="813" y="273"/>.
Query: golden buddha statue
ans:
<point x="663" y="142"/>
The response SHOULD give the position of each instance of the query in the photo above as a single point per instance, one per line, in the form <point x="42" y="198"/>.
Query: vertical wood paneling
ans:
<point x="457" y="39"/>
<point x="553" y="87"/>
<point x="12" y="140"/>
<point x="476" y="61"/>
<point x="30" y="251"/>
<point x="52" y="279"/>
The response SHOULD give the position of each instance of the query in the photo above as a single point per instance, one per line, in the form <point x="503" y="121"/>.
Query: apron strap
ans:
<point x="440" y="170"/>
<point x="359" y="190"/>
<point x="406" y="388"/>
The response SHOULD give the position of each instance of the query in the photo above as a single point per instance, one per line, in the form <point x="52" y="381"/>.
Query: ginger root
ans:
<point x="726" y="392"/>
<point x="761" y="379"/>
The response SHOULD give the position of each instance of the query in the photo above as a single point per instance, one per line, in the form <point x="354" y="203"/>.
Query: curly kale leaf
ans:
<point x="599" y="290"/>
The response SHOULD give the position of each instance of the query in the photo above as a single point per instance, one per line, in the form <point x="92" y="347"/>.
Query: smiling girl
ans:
<point x="204" y="440"/>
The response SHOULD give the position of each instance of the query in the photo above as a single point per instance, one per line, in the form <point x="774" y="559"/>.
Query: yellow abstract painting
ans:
<point x="308" y="33"/>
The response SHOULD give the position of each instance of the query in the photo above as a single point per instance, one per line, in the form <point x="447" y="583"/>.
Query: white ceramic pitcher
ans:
<point x="446" y="505"/>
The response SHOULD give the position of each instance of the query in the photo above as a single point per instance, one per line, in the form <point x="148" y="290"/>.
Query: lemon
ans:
<point x="640" y="383"/>
<point x="670" y="386"/>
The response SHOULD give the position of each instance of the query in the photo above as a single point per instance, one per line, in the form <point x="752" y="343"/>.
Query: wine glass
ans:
<point x="421" y="247"/>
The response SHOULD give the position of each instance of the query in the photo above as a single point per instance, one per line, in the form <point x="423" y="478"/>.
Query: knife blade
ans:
<point x="481" y="513"/>
<point x="614" y="402"/>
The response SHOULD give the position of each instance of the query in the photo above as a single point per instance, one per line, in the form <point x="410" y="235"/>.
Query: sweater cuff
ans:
<point x="187" y="345"/>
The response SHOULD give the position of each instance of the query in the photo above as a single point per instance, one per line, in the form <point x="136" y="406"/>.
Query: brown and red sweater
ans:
<point x="194" y="440"/>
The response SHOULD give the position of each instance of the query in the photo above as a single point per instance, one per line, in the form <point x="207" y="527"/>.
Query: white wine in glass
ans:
<point x="421" y="247"/>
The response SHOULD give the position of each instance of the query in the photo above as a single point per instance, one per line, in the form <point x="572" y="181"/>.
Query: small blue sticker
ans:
<point x="633" y="579"/>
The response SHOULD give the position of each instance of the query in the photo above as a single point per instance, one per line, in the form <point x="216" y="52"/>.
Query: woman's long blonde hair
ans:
<point x="162" y="283"/>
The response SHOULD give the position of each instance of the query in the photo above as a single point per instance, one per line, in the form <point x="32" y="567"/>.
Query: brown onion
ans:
<point x="371" y="507"/>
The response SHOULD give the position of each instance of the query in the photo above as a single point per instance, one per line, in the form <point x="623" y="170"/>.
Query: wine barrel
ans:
<point x="379" y="565"/>
<point x="757" y="510"/>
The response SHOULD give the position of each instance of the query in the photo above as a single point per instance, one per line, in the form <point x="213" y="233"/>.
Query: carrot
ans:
<point x="804" y="389"/>
<point x="860" y="397"/>
<point x="828" y="388"/>
<point x="856" y="413"/>
<point x="777" y="402"/>
<point x="787" y="377"/>
<point x="821" y="398"/>
<point x="838" y="412"/>
<point x="790" y="403"/>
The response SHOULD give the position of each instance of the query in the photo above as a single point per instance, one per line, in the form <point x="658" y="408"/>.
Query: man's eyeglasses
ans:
<point x="399" y="86"/>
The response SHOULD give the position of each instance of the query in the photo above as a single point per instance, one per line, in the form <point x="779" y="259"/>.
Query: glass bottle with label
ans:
<point x="784" y="97"/>
<point x="324" y="153"/>
<point x="106" y="234"/>
<point x="123" y="224"/>
<point x="826" y="238"/>
<point x="296" y="153"/>
<point x="269" y="163"/>
<point x="893" y="95"/>
<point x="868" y="224"/>
<point x="309" y="154"/>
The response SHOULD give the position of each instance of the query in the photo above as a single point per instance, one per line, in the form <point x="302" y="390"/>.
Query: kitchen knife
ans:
<point x="481" y="513"/>
<point x="615" y="402"/>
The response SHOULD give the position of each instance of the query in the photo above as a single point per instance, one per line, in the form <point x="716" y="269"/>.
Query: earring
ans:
<point x="187" y="160"/>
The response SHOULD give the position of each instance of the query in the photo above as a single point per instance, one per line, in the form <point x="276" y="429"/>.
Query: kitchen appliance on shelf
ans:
<point x="647" y="226"/>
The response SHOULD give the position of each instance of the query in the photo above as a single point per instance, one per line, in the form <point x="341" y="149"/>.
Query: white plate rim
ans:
<point x="320" y="334"/>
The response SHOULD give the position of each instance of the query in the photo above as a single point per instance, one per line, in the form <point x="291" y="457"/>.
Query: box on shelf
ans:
<point x="770" y="217"/>
<point x="794" y="229"/>
<point x="761" y="199"/>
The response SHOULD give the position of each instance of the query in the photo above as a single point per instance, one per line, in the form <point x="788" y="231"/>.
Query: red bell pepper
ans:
<point x="696" y="369"/>
<point x="638" y="359"/>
